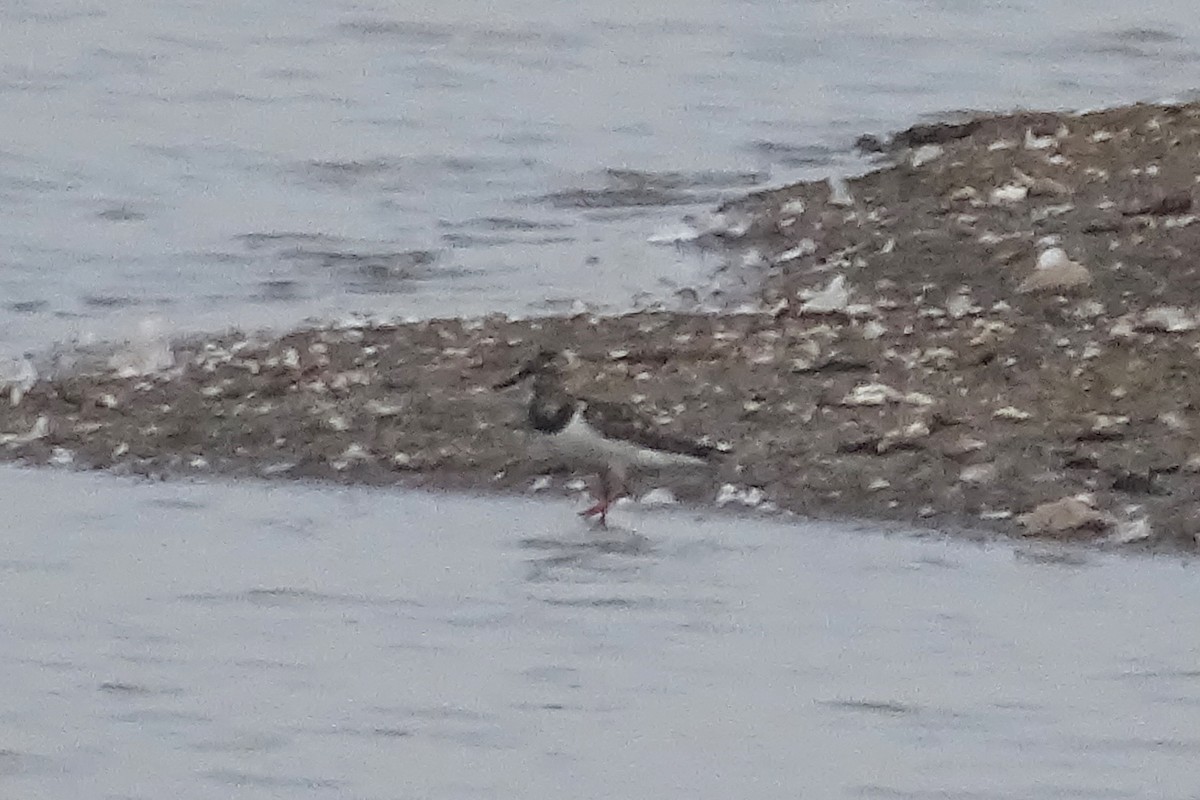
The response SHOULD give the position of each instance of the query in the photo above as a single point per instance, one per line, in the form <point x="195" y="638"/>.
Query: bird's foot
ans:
<point x="600" y="509"/>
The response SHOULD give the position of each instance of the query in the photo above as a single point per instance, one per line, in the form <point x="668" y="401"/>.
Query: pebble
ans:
<point x="660" y="496"/>
<point x="1008" y="194"/>
<point x="1064" y="516"/>
<point x="871" y="394"/>
<point x="832" y="299"/>
<point x="1167" y="319"/>
<point x="1012" y="413"/>
<point x="750" y="497"/>
<point x="977" y="474"/>
<point x="1132" y="529"/>
<point x="1055" y="271"/>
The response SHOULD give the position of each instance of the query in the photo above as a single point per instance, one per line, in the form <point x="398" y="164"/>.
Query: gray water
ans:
<point x="252" y="164"/>
<point x="198" y="641"/>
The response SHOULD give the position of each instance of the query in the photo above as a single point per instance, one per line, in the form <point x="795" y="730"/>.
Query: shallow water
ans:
<point x="252" y="164"/>
<point x="221" y="164"/>
<point x="213" y="640"/>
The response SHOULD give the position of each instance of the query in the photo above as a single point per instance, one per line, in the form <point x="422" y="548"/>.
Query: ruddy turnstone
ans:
<point x="608" y="437"/>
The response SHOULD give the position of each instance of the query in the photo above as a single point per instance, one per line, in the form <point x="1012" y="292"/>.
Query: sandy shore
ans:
<point x="907" y="358"/>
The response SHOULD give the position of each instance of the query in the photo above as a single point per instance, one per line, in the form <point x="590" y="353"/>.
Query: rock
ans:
<point x="1080" y="458"/>
<point x="1077" y="514"/>
<point x="808" y="356"/>
<point x="871" y="394"/>
<point x="869" y="143"/>
<point x="1106" y="426"/>
<point x="1042" y="186"/>
<point x="39" y="430"/>
<point x="860" y="443"/>
<point x="660" y="496"/>
<point x="959" y="306"/>
<point x="1173" y="421"/>
<point x="917" y="399"/>
<point x="873" y="330"/>
<point x="835" y="362"/>
<point x="1035" y="142"/>
<point x="805" y="247"/>
<point x="1167" y="319"/>
<point x="148" y="353"/>
<point x="1122" y="327"/>
<point x="907" y="438"/>
<point x="861" y="311"/>
<point x="833" y="299"/>
<point x="924" y="154"/>
<point x="1138" y="482"/>
<point x="935" y="133"/>
<point x="1055" y="272"/>
<point x="793" y="208"/>
<point x="839" y="192"/>
<point x="977" y="474"/>
<point x="1012" y="413"/>
<point x="1162" y="205"/>
<point x="1102" y="223"/>
<point x="939" y="358"/>
<point x="1133" y="528"/>
<point x="962" y="446"/>
<point x="749" y="496"/>
<point x="1009" y="193"/>
<point x="18" y="376"/>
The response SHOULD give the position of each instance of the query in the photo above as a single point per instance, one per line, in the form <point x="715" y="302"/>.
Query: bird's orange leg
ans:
<point x="600" y="507"/>
<point x="609" y="489"/>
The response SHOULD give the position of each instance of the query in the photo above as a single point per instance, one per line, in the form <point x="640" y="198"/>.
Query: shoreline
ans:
<point x="996" y="330"/>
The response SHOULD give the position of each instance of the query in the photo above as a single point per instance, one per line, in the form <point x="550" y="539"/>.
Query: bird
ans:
<point x="611" y="438"/>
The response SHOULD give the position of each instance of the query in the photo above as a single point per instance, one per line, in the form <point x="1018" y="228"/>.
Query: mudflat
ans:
<point x="998" y="328"/>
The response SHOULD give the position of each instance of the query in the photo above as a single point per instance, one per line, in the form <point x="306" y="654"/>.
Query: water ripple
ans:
<point x="286" y="596"/>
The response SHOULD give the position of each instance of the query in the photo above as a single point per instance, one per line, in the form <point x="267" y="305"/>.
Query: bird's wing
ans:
<point x="618" y="421"/>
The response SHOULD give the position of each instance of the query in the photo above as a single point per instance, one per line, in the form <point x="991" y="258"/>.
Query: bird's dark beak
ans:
<point x="524" y="373"/>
